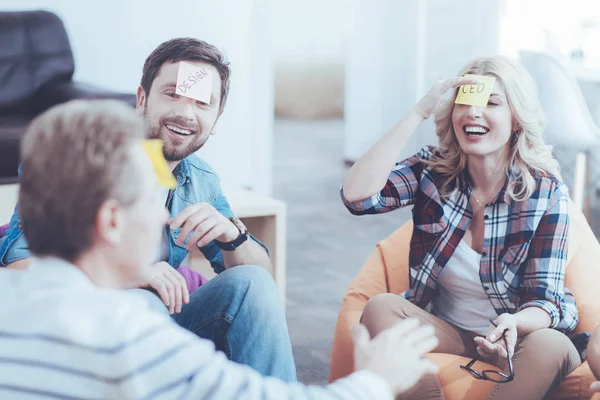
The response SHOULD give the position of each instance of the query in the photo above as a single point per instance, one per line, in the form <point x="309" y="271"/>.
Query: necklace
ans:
<point x="477" y="200"/>
<point x="481" y="205"/>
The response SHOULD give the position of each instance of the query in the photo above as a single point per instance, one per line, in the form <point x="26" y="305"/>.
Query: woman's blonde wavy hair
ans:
<point x="528" y="154"/>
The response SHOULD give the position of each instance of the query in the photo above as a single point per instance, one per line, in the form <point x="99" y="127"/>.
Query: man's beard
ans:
<point x="174" y="149"/>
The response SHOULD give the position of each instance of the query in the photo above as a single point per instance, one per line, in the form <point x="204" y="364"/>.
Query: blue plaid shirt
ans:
<point x="524" y="253"/>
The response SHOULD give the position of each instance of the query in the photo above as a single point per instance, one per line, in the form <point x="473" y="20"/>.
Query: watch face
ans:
<point x="239" y="225"/>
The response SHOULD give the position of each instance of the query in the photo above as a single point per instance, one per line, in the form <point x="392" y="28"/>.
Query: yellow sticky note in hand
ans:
<point x="476" y="94"/>
<point x="154" y="149"/>
<point x="194" y="82"/>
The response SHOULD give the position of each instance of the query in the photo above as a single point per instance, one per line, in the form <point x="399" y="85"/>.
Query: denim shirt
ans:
<point x="196" y="182"/>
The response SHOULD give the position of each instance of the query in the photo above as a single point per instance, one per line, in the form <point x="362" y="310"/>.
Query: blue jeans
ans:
<point x="241" y="312"/>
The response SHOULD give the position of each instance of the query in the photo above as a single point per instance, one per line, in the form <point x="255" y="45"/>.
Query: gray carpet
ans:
<point x="326" y="244"/>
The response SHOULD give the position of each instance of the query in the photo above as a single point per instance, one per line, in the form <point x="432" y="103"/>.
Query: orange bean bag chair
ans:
<point x="386" y="271"/>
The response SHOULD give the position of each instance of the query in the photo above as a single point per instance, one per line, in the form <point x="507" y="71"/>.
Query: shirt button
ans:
<point x="486" y="288"/>
<point x="20" y="226"/>
<point x="483" y="253"/>
<point x="486" y="216"/>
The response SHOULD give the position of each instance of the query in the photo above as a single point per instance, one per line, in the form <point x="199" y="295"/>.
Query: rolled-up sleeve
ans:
<point x="543" y="283"/>
<point x="400" y="189"/>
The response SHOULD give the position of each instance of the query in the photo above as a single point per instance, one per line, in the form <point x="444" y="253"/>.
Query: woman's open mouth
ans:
<point x="475" y="130"/>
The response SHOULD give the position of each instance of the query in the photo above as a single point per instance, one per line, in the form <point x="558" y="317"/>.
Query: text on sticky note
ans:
<point x="194" y="82"/>
<point x="476" y="94"/>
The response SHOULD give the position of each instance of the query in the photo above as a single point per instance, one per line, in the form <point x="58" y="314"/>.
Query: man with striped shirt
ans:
<point x="92" y="215"/>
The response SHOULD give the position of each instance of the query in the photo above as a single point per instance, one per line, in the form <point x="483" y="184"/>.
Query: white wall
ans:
<point x="112" y="38"/>
<point x="397" y="51"/>
<point x="309" y="29"/>
<point x="308" y="51"/>
<point x="559" y="27"/>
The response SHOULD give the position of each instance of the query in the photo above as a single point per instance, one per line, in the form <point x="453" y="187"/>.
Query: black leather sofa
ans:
<point x="36" y="73"/>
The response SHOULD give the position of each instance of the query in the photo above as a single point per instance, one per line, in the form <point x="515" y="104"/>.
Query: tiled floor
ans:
<point x="326" y="244"/>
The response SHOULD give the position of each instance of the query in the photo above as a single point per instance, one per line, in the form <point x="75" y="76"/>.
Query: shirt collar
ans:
<point x="54" y="269"/>
<point x="182" y="172"/>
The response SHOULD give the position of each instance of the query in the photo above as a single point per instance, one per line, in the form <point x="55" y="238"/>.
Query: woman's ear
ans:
<point x="516" y="127"/>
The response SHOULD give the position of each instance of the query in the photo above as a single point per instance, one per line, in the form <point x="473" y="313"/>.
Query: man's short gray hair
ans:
<point x="75" y="157"/>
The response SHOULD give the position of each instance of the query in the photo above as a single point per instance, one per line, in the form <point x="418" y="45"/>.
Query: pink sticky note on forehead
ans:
<point x="194" y="82"/>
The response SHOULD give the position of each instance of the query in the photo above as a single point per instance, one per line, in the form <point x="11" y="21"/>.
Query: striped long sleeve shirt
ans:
<point x="61" y="337"/>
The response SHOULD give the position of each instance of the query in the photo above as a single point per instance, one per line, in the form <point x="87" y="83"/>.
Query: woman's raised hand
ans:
<point x="432" y="100"/>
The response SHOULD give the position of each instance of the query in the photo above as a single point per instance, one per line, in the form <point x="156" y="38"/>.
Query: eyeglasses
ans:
<point x="490" y="374"/>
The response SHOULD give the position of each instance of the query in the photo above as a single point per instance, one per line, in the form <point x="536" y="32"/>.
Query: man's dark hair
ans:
<point x="187" y="49"/>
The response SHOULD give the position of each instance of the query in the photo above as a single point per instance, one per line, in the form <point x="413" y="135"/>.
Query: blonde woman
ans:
<point x="489" y="245"/>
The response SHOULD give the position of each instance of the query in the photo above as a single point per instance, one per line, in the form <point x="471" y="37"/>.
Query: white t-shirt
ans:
<point x="460" y="298"/>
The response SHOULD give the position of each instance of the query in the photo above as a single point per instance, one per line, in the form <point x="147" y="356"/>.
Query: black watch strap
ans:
<point x="237" y="242"/>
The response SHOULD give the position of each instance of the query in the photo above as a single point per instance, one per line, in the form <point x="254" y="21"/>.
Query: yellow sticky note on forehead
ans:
<point x="154" y="149"/>
<point x="194" y="82"/>
<point x="476" y="94"/>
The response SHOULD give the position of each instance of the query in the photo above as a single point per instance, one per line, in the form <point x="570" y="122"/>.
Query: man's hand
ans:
<point x="21" y="264"/>
<point x="397" y="353"/>
<point x="205" y="223"/>
<point x="169" y="284"/>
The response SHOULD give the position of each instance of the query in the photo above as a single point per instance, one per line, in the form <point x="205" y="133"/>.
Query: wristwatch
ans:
<point x="237" y="242"/>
